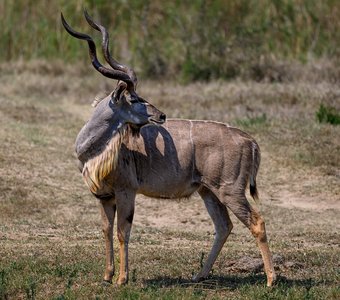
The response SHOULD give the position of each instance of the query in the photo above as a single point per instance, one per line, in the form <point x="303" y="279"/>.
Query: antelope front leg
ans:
<point x="108" y="210"/>
<point x="125" y="212"/>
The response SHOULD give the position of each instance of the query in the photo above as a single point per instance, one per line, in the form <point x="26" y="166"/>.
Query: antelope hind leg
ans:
<point x="252" y="219"/>
<point x="258" y="229"/>
<point x="223" y="226"/>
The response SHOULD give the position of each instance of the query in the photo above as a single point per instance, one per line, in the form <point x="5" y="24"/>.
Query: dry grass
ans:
<point x="50" y="236"/>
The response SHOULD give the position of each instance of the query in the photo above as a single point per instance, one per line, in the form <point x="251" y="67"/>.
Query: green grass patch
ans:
<point x="256" y="121"/>
<point x="328" y="114"/>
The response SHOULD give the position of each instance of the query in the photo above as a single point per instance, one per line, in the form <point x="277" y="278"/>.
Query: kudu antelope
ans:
<point x="120" y="157"/>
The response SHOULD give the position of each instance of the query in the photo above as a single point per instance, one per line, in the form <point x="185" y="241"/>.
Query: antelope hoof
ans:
<point x="197" y="278"/>
<point x="106" y="282"/>
<point x="108" y="278"/>
<point x="122" y="281"/>
<point x="271" y="280"/>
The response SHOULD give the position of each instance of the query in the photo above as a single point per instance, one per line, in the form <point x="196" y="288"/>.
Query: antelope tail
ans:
<point x="256" y="159"/>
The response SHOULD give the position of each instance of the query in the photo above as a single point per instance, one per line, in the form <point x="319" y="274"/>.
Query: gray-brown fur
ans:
<point x="184" y="156"/>
<point x="122" y="153"/>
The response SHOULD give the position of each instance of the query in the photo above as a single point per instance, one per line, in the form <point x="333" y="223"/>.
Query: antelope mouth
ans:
<point x="158" y="121"/>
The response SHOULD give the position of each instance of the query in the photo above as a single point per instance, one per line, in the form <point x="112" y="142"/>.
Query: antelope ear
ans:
<point x="119" y="92"/>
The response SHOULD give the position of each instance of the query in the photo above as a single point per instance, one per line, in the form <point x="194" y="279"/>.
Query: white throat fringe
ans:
<point x="97" y="169"/>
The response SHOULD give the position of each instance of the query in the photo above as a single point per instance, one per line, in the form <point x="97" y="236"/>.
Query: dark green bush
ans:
<point x="328" y="114"/>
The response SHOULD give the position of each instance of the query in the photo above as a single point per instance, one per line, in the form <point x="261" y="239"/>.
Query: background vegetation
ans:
<point x="189" y="40"/>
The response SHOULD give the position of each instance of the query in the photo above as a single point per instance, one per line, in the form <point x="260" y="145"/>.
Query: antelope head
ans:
<point x="125" y="104"/>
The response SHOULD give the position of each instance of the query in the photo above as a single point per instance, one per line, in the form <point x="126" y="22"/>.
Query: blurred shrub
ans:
<point x="188" y="40"/>
<point x="328" y="114"/>
<point x="253" y="121"/>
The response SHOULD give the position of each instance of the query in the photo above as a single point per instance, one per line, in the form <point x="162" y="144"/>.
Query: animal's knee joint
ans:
<point x="120" y="236"/>
<point x="106" y="231"/>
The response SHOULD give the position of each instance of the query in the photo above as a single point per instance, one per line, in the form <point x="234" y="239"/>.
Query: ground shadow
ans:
<point x="231" y="282"/>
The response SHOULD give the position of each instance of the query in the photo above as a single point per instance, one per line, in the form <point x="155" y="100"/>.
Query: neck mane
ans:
<point x="97" y="168"/>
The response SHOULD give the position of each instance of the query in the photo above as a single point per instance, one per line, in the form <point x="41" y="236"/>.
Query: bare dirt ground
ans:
<point x="51" y="244"/>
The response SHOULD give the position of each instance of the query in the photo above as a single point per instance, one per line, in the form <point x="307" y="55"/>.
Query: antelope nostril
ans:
<point x="162" y="117"/>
